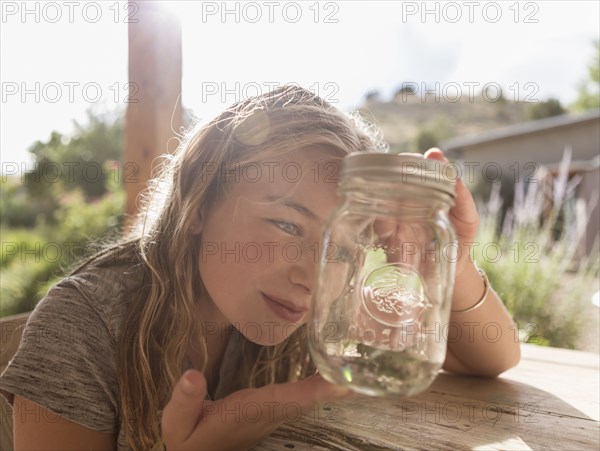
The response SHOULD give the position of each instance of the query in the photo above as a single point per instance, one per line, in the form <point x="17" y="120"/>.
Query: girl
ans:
<point x="157" y="341"/>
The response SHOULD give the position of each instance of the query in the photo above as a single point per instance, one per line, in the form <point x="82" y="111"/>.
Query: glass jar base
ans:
<point x="397" y="374"/>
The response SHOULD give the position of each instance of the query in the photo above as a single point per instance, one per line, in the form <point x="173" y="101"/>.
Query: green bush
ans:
<point x="20" y="284"/>
<point x="32" y="260"/>
<point x="426" y="139"/>
<point x="547" y="108"/>
<point x="434" y="131"/>
<point x="17" y="243"/>
<point x="15" y="208"/>
<point x="48" y="222"/>
<point x="537" y="272"/>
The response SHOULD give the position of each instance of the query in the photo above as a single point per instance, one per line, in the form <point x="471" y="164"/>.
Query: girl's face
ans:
<point x="260" y="245"/>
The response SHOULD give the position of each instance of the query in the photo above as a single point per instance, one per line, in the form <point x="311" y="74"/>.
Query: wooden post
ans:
<point x="154" y="111"/>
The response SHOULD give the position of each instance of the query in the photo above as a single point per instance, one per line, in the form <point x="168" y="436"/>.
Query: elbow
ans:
<point x="504" y="363"/>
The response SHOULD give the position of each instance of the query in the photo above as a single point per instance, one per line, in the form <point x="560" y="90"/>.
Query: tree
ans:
<point x="406" y="89"/>
<point x="589" y="90"/>
<point x="433" y="133"/>
<point x="547" y="108"/>
<point x="373" y="96"/>
<point x="78" y="161"/>
<point x="426" y="139"/>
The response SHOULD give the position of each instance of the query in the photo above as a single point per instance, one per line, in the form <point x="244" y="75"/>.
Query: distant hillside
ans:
<point x="407" y="121"/>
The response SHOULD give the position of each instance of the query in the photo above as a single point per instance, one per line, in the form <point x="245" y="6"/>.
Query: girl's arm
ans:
<point x="35" y="427"/>
<point x="483" y="341"/>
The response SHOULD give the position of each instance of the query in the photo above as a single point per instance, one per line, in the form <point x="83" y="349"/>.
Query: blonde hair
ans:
<point x="156" y="334"/>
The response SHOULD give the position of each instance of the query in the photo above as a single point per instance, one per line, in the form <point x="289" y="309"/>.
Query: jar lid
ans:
<point x="411" y="168"/>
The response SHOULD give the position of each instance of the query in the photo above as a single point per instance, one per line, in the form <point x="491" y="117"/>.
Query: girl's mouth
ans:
<point x="285" y="309"/>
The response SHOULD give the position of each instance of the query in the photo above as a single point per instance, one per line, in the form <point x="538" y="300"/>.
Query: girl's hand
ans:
<point x="242" y="419"/>
<point x="463" y="215"/>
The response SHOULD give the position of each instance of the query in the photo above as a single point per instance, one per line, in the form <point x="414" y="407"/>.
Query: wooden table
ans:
<point x="549" y="401"/>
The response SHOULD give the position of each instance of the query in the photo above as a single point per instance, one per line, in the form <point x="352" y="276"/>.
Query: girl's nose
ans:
<point x="303" y="272"/>
<point x="300" y="277"/>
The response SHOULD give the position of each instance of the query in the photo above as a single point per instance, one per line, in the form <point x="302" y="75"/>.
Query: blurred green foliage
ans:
<point x="589" y="89"/>
<point x="51" y="215"/>
<point x="432" y="133"/>
<point x="547" y="108"/>
<point x="77" y="161"/>
<point x="16" y="206"/>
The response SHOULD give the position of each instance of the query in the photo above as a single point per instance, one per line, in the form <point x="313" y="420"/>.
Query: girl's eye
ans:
<point x="287" y="227"/>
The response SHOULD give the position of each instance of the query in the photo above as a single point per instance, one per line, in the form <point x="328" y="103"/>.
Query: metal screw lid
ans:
<point x="410" y="168"/>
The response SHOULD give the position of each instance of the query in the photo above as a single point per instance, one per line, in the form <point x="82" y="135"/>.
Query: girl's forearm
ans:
<point x="484" y="340"/>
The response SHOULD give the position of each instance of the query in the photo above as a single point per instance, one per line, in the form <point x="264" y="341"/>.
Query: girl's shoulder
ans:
<point x="66" y="360"/>
<point x="102" y="288"/>
<point x="115" y="271"/>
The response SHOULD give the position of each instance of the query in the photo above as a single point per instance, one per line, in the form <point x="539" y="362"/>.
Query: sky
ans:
<point x="59" y="59"/>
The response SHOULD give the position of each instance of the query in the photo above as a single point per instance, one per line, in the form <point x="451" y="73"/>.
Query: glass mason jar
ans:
<point x="380" y="311"/>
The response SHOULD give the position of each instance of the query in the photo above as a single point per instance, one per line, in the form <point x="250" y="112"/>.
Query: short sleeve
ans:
<point x="66" y="358"/>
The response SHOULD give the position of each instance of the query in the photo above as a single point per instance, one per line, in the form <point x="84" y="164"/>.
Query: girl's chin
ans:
<point x="267" y="336"/>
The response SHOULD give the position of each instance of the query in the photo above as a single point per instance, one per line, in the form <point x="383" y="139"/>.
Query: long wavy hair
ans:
<point x="161" y="321"/>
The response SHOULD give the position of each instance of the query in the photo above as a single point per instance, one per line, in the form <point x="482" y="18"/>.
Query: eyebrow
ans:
<point x="296" y="206"/>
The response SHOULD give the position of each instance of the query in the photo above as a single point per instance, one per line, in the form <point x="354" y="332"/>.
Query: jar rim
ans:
<point x="412" y="168"/>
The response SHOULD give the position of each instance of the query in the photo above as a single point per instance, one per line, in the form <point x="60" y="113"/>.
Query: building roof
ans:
<point x="523" y="128"/>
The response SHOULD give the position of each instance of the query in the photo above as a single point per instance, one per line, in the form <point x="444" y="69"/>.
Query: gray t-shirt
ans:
<point x="66" y="359"/>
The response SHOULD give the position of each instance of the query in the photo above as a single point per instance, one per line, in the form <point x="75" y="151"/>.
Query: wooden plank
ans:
<point x="154" y="113"/>
<point x="435" y="423"/>
<point x="558" y="356"/>
<point x="532" y="406"/>
<point x="572" y="377"/>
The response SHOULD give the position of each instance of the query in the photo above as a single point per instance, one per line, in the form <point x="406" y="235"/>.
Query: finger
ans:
<point x="278" y="400"/>
<point x="385" y="228"/>
<point x="308" y="391"/>
<point x="182" y="412"/>
<point x="247" y="416"/>
<point x="464" y="210"/>
<point x="435" y="154"/>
